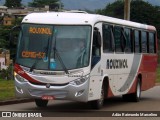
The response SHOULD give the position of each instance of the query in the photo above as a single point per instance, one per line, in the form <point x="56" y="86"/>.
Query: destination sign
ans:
<point x="29" y="54"/>
<point x="40" y="30"/>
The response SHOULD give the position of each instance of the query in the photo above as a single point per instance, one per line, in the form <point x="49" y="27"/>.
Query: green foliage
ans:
<point x="6" y="74"/>
<point x="7" y="90"/>
<point x="158" y="74"/>
<point x="42" y="3"/>
<point x="115" y="9"/>
<point x="13" y="3"/>
<point x="4" y="36"/>
<point x="141" y="11"/>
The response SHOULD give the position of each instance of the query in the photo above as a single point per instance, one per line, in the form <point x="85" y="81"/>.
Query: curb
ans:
<point x="15" y="101"/>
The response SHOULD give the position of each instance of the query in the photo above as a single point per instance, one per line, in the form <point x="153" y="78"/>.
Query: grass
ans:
<point x="7" y="87"/>
<point x="158" y="74"/>
<point x="6" y="90"/>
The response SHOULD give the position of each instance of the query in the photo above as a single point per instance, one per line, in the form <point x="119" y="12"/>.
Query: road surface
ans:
<point x="150" y="102"/>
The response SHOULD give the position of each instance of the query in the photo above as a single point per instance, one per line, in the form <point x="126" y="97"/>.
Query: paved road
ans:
<point x="150" y="102"/>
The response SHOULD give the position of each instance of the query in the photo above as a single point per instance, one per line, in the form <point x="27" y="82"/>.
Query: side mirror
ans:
<point x="13" y="39"/>
<point x="14" y="33"/>
<point x="96" y="37"/>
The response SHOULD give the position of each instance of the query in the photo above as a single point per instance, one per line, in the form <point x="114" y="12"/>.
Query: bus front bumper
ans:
<point x="66" y="92"/>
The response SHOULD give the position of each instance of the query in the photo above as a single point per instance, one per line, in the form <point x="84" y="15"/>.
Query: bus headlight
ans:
<point x="80" y="80"/>
<point x="19" y="78"/>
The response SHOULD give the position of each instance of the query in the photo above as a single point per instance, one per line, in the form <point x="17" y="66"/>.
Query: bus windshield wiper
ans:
<point x="61" y="61"/>
<point x="59" y="57"/>
<point x="36" y="61"/>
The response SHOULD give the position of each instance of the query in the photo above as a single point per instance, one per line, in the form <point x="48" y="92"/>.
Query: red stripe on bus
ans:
<point x="22" y="73"/>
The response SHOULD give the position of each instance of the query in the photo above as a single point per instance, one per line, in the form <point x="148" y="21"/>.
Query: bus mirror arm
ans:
<point x="96" y="37"/>
<point x="15" y="28"/>
<point x="99" y="39"/>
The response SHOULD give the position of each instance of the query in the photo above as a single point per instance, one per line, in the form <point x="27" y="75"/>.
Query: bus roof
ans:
<point x="67" y="18"/>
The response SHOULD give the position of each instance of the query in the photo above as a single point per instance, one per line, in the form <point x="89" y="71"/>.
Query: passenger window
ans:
<point x="151" y="43"/>
<point x="137" y="41"/>
<point x="127" y="33"/>
<point x="144" y="42"/>
<point x="107" y="38"/>
<point x="118" y="38"/>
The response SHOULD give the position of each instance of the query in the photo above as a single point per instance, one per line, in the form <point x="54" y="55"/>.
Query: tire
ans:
<point x="97" y="104"/>
<point x="137" y="95"/>
<point x="134" y="97"/>
<point x="41" y="103"/>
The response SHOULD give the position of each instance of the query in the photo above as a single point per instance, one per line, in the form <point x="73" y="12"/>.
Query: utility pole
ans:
<point x="127" y="9"/>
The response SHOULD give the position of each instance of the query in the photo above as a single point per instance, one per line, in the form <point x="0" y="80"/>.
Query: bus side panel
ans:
<point x="133" y="88"/>
<point x="110" y="94"/>
<point x="148" y="70"/>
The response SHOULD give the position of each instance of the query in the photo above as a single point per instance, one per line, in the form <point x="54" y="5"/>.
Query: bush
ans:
<point x="7" y="74"/>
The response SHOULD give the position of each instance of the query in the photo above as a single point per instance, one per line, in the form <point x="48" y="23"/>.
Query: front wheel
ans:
<point x="41" y="103"/>
<point x="97" y="104"/>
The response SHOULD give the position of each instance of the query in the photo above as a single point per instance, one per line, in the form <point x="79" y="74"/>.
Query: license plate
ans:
<point x="47" y="97"/>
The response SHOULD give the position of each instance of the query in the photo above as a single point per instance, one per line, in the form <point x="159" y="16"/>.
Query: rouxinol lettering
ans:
<point x="116" y="63"/>
<point x="35" y="30"/>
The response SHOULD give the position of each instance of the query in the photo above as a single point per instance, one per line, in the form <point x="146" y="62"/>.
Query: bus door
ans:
<point x="95" y="75"/>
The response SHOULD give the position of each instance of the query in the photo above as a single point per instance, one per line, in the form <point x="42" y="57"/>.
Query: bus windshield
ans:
<point x="50" y="47"/>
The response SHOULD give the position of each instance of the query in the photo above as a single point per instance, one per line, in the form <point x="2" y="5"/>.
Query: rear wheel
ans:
<point x="135" y="97"/>
<point x="41" y="103"/>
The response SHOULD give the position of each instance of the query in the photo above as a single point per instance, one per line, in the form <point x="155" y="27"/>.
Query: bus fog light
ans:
<point x="79" y="93"/>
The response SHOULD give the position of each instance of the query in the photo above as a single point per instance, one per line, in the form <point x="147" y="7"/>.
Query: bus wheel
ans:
<point x="97" y="104"/>
<point x="137" y="95"/>
<point x="134" y="97"/>
<point x="41" y="103"/>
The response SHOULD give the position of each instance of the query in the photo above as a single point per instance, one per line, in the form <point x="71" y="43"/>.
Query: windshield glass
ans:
<point x="48" y="47"/>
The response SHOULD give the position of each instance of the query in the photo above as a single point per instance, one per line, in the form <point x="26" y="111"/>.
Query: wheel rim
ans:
<point x="138" y="90"/>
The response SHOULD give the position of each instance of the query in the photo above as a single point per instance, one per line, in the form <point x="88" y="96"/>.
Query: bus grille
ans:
<point x="55" y="93"/>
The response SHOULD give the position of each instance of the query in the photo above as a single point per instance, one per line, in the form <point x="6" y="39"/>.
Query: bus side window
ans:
<point x="127" y="34"/>
<point x="96" y="53"/>
<point x="144" y="41"/>
<point x="118" y="37"/>
<point x="107" y="38"/>
<point x="151" y="43"/>
<point x="137" y="41"/>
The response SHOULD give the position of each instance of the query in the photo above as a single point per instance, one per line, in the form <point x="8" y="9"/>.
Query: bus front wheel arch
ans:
<point x="97" y="104"/>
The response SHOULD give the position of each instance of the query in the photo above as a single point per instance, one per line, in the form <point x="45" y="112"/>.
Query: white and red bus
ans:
<point x="83" y="57"/>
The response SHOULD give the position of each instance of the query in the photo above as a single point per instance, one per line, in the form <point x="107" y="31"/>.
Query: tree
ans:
<point x="141" y="11"/>
<point x="42" y="3"/>
<point x="115" y="9"/>
<point x="13" y="3"/>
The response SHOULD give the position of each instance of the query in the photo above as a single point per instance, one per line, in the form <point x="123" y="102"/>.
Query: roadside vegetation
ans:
<point x="158" y="74"/>
<point x="6" y="90"/>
